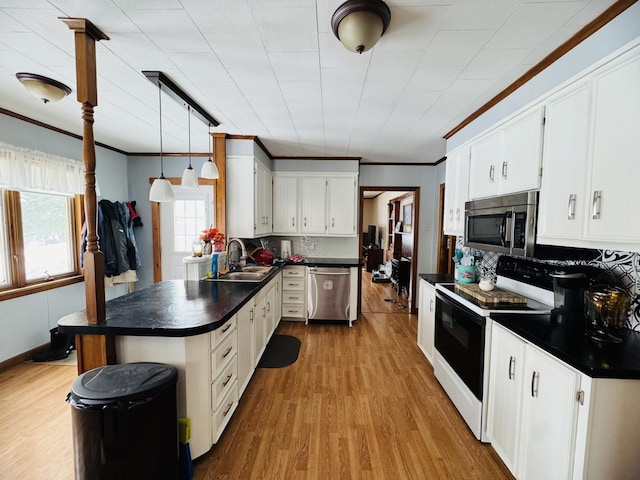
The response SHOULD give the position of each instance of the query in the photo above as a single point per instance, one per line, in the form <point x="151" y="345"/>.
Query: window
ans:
<point x="189" y="219"/>
<point x="39" y="241"/>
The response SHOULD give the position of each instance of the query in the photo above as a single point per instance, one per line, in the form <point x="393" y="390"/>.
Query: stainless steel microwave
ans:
<point x="504" y="224"/>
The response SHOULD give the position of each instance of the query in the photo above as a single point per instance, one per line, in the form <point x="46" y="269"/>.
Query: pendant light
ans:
<point x="209" y="168"/>
<point x="161" y="190"/>
<point x="189" y="177"/>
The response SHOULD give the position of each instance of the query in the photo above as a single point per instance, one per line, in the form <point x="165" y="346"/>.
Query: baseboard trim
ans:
<point x="23" y="357"/>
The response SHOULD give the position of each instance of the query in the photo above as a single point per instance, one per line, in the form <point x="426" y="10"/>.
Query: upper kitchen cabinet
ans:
<point x="341" y="205"/>
<point x="589" y="171"/>
<point x="507" y="159"/>
<point x="285" y="204"/>
<point x="314" y="204"/>
<point x="249" y="202"/>
<point x="456" y="190"/>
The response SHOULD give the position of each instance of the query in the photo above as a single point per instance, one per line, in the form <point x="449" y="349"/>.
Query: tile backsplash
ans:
<point x="624" y="266"/>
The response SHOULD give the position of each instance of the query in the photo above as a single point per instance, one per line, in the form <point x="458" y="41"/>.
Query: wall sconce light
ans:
<point x="189" y="177"/>
<point x="161" y="190"/>
<point x="209" y="168"/>
<point x="359" y="24"/>
<point x="45" y="88"/>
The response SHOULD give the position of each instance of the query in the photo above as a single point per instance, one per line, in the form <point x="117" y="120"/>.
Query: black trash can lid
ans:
<point x="126" y="381"/>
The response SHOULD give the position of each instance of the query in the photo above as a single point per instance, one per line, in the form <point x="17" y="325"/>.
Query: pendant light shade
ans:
<point x="161" y="189"/>
<point x="189" y="177"/>
<point x="359" y="24"/>
<point x="209" y="168"/>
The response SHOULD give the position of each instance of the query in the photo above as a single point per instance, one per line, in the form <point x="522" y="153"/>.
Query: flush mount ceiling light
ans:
<point x="189" y="177"/>
<point x="45" y="88"/>
<point x="209" y="169"/>
<point x="161" y="190"/>
<point x="359" y="24"/>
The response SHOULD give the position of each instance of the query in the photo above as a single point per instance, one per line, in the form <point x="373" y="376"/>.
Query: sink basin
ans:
<point x="246" y="274"/>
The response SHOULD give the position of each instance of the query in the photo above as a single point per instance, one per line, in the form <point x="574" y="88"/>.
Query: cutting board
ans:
<point x="497" y="295"/>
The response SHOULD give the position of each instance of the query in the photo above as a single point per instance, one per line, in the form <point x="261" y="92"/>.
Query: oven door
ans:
<point x="460" y="338"/>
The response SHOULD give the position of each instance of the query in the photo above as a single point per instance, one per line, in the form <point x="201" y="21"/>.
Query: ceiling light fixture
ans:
<point x="189" y="177"/>
<point x="359" y="24"/>
<point x="45" y="88"/>
<point x="161" y="190"/>
<point x="209" y="168"/>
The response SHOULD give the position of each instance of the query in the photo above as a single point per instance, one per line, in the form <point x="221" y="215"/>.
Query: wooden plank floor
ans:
<point x="360" y="403"/>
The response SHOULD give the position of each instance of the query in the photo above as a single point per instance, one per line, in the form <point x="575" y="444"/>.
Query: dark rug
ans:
<point x="281" y="351"/>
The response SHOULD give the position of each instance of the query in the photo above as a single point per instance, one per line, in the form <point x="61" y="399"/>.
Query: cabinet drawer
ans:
<point x="224" y="353"/>
<point x="220" y="333"/>
<point x="223" y="383"/>
<point x="296" y="311"/>
<point x="294" y="272"/>
<point x="293" y="284"/>
<point x="223" y="413"/>
<point x="293" y="297"/>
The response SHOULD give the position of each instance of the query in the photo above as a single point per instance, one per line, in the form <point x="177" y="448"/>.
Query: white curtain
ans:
<point x="27" y="169"/>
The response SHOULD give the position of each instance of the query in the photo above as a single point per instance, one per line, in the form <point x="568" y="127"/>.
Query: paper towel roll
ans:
<point x="285" y="249"/>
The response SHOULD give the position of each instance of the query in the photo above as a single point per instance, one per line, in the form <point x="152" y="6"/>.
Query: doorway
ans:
<point x="395" y="213"/>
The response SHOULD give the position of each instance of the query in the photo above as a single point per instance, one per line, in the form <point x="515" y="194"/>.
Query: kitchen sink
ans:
<point x="246" y="274"/>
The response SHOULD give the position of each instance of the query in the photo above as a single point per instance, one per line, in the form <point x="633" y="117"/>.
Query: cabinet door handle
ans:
<point x="492" y="169"/>
<point x="305" y="221"/>
<point x="458" y="213"/>
<point x="431" y="305"/>
<point x="572" y="206"/>
<point x="333" y="222"/>
<point x="226" y="354"/>
<point x="504" y="169"/>
<point x="512" y="363"/>
<point x="451" y="213"/>
<point x="227" y="380"/>
<point x="293" y="221"/>
<point x="224" y="414"/>
<point x="597" y="198"/>
<point x="294" y="298"/>
<point x="534" y="383"/>
<point x="226" y="328"/>
<point x="268" y="306"/>
<point x="251" y="315"/>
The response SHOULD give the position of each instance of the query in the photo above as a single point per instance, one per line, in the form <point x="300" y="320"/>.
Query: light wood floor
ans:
<point x="360" y="403"/>
<point x="381" y="297"/>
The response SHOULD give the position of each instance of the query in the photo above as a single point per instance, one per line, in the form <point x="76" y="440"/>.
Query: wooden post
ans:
<point x="97" y="351"/>
<point x="220" y="159"/>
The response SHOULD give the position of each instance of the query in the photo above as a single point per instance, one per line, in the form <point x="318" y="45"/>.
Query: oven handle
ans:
<point x="470" y="314"/>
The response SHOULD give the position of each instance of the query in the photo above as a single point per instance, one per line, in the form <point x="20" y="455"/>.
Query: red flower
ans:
<point x="212" y="235"/>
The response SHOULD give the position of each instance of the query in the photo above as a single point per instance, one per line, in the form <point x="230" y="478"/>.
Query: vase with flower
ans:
<point x="213" y="240"/>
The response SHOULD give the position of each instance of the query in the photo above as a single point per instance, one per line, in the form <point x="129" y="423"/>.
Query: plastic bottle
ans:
<point x="214" y="265"/>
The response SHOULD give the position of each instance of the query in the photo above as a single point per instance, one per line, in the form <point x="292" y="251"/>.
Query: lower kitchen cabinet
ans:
<point x="547" y="420"/>
<point x="426" y="318"/>
<point x="246" y="346"/>
<point x="294" y="292"/>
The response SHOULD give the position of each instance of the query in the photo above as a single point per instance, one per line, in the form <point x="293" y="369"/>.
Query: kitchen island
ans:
<point x="213" y="332"/>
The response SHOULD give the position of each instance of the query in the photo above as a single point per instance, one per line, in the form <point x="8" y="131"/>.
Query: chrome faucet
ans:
<point x="232" y="262"/>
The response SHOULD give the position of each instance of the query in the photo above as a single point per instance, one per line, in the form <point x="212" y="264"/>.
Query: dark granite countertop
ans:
<point x="571" y="345"/>
<point x="328" y="262"/>
<point x="173" y="308"/>
<point x="434" y="278"/>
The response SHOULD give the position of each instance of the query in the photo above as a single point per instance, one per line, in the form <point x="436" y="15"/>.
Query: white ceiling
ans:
<point x="273" y="68"/>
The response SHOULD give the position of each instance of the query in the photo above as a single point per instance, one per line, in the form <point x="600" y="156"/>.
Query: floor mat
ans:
<point x="281" y="351"/>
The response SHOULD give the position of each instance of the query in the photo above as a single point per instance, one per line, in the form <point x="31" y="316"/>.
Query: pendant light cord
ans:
<point x="189" y="123"/>
<point x="160" y="103"/>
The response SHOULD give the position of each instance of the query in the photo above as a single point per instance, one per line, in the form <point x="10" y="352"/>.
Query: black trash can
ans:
<point x="125" y="423"/>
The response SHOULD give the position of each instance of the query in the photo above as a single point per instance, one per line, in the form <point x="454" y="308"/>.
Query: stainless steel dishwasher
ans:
<point x="329" y="293"/>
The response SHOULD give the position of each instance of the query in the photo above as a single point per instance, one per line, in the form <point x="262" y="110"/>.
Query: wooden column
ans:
<point x="93" y="351"/>
<point x="220" y="159"/>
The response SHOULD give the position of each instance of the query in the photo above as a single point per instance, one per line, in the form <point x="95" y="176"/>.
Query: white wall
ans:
<point x="26" y="321"/>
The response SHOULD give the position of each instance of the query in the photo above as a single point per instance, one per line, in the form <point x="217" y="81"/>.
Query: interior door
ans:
<point x="180" y="224"/>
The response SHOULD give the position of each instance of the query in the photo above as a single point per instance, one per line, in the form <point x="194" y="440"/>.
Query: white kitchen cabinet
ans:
<point x="506" y="370"/>
<point x="426" y="319"/>
<point x="246" y="346"/>
<point x="615" y="169"/>
<point x="249" y="198"/>
<point x="313" y="205"/>
<point x="562" y="200"/>
<point x="294" y="292"/>
<point x="507" y="159"/>
<point x="456" y="190"/>
<point x="589" y="173"/>
<point x="285" y="204"/>
<point x="341" y="205"/>
<point x="549" y="413"/>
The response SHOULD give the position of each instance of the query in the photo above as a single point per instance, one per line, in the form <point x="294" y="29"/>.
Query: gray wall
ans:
<point x="26" y="321"/>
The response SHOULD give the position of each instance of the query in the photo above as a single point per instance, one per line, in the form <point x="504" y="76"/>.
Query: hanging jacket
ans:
<point x="114" y="243"/>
